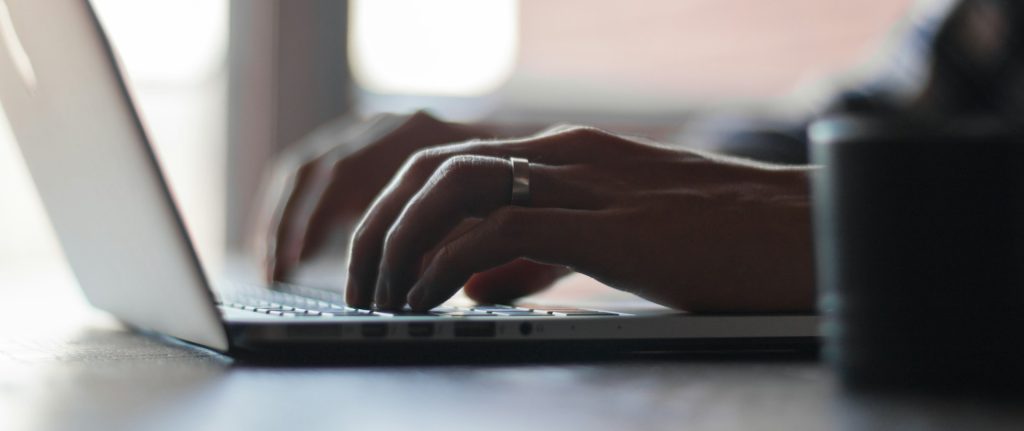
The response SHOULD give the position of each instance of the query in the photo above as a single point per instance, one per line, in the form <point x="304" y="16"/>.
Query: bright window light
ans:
<point x="174" y="54"/>
<point x="167" y="41"/>
<point x="439" y="47"/>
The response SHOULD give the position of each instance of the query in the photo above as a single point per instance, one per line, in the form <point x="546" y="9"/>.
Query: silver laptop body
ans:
<point x="88" y="154"/>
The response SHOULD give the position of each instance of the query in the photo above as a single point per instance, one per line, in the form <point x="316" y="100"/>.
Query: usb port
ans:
<point x="421" y="330"/>
<point x="475" y="329"/>
<point x="374" y="330"/>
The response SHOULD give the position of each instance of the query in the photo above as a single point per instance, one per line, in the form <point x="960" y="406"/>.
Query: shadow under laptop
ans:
<point x="490" y="353"/>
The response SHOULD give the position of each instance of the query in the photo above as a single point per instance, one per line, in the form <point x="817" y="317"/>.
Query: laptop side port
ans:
<point x="475" y="329"/>
<point x="421" y="330"/>
<point x="374" y="330"/>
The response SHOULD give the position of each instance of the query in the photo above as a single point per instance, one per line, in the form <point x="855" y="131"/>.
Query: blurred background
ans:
<point x="223" y="85"/>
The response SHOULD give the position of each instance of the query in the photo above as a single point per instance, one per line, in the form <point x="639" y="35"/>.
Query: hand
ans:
<point x="684" y="229"/>
<point x="327" y="181"/>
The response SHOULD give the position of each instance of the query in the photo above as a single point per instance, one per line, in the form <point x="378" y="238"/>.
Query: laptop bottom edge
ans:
<point x="498" y="352"/>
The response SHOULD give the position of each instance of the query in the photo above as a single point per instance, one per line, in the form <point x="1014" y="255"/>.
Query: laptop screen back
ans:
<point x="101" y="185"/>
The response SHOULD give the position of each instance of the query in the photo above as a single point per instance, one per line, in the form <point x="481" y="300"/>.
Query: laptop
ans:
<point x="87" y="151"/>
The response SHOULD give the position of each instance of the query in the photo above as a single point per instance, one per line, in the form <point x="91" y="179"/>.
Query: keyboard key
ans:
<point x="467" y="314"/>
<point x="269" y="309"/>
<point x="566" y="311"/>
<point x="327" y="310"/>
<point x="582" y="313"/>
<point x="497" y="307"/>
<point x="559" y="309"/>
<point x="446" y="309"/>
<point x="517" y="313"/>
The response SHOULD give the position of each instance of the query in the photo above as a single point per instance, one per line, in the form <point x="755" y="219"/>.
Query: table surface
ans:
<point x="66" y="366"/>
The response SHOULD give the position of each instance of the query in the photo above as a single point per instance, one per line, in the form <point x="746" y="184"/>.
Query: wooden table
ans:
<point x="66" y="366"/>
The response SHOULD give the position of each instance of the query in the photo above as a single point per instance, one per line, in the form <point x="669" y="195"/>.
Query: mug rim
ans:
<point x="845" y="129"/>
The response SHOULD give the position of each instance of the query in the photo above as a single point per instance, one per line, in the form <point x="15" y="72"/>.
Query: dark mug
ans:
<point x="919" y="234"/>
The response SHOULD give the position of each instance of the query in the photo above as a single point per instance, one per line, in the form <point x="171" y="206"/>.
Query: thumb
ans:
<point x="512" y="280"/>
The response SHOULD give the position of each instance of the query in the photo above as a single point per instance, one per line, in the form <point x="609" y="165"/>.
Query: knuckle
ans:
<point x="390" y="242"/>
<point x="421" y="156"/>
<point x="431" y="159"/>
<point x="291" y="158"/>
<point x="558" y="128"/>
<point x="583" y="132"/>
<point x="360" y="235"/>
<point x="572" y="138"/>
<point x="305" y="171"/>
<point x="339" y="165"/>
<point x="457" y="169"/>
<point x="423" y="160"/>
<point x="422" y="115"/>
<point x="306" y="168"/>
<point x="444" y="255"/>
<point x="364" y="232"/>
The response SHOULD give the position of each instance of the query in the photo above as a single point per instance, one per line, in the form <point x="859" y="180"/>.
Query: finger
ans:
<point x="310" y="154"/>
<point x="312" y="196"/>
<point x="281" y="253"/>
<point x="352" y="189"/>
<point x="511" y="281"/>
<point x="552" y="236"/>
<point x="460" y="229"/>
<point x="325" y="215"/>
<point x="368" y="239"/>
<point x="463" y="187"/>
<point x="272" y="192"/>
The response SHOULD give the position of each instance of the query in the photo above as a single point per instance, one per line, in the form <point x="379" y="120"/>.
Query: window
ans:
<point x="455" y="47"/>
<point x="607" y="56"/>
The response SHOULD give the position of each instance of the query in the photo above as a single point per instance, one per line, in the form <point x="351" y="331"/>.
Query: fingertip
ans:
<point x="380" y="296"/>
<point x="511" y="281"/>
<point x="417" y="298"/>
<point x="351" y="295"/>
<point x="277" y="273"/>
<point x="354" y="296"/>
<point x="266" y="265"/>
<point x="268" y="273"/>
<point x="277" y="269"/>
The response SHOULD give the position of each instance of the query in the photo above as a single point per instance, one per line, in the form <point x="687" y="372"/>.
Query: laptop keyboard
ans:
<point x="286" y="300"/>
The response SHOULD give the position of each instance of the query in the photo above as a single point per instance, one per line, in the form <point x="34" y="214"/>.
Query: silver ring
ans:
<point x="520" y="181"/>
